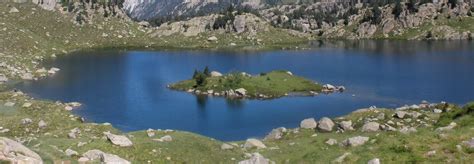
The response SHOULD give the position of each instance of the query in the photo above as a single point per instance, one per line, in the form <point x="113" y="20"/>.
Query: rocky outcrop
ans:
<point x="15" y="152"/>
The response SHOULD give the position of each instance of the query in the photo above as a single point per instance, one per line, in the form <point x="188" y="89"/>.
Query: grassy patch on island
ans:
<point x="265" y="85"/>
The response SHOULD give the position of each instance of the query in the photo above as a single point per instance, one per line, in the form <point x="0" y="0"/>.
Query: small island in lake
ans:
<point x="269" y="85"/>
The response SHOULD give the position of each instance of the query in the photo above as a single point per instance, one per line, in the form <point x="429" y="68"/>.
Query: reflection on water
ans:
<point x="128" y="89"/>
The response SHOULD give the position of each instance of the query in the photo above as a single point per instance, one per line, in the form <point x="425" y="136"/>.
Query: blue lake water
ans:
<point x="128" y="88"/>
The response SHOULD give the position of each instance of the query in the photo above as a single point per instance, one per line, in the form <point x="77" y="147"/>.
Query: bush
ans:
<point x="397" y="10"/>
<point x="233" y="80"/>
<point x="455" y="113"/>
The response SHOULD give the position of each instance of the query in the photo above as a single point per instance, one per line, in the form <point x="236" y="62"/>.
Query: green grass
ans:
<point x="274" y="84"/>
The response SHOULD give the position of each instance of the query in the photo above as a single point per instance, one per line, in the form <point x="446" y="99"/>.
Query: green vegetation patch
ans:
<point x="265" y="85"/>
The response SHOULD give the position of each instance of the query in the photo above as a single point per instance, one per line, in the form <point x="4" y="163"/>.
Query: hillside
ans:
<point x="30" y="35"/>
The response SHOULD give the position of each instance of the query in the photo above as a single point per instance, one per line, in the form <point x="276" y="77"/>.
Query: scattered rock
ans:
<point x="3" y="78"/>
<point x="26" y="105"/>
<point x="27" y="76"/>
<point x="42" y="124"/>
<point x="15" y="152"/>
<point x="341" y="158"/>
<point x="325" y="124"/>
<point x="150" y="132"/>
<point x="331" y="141"/>
<point x="309" y="123"/>
<point x="355" y="141"/>
<point x="70" y="152"/>
<point x="469" y="144"/>
<point x="13" y="10"/>
<point x="26" y="121"/>
<point x="446" y="128"/>
<point x="9" y="104"/>
<point x="400" y="114"/>
<point x="216" y="74"/>
<point x="430" y="153"/>
<point x="254" y="143"/>
<point x="276" y="134"/>
<point x="371" y="127"/>
<point x="212" y="38"/>
<point x="119" y="140"/>
<point x="226" y="146"/>
<point x="256" y="158"/>
<point x="73" y="133"/>
<point x="346" y="125"/>
<point x="93" y="155"/>
<point x="167" y="138"/>
<point x="241" y="92"/>
<point x="407" y="130"/>
<point x="437" y="111"/>
<point x="374" y="161"/>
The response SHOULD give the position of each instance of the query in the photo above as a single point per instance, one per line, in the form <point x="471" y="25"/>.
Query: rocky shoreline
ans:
<point x="354" y="130"/>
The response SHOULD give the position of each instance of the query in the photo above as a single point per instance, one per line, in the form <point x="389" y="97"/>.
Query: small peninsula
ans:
<point x="274" y="84"/>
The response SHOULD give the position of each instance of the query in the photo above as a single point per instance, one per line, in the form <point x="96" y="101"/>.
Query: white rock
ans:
<point x="309" y="123"/>
<point x="346" y="125"/>
<point x="42" y="124"/>
<point x="331" y="141"/>
<point x="254" y="143"/>
<point x="9" y="104"/>
<point x="26" y="105"/>
<point x="70" y="152"/>
<point x="15" y="152"/>
<point x="216" y="74"/>
<point x="374" y="161"/>
<point x="119" y="140"/>
<point x="256" y="158"/>
<point x="226" y="146"/>
<point x="104" y="157"/>
<point x="371" y="127"/>
<point x="325" y="124"/>
<point x="355" y="141"/>
<point x="212" y="38"/>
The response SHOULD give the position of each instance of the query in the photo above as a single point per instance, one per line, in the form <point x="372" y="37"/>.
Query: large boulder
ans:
<point x="371" y="127"/>
<point x="308" y="123"/>
<point x="355" y="141"/>
<point x="97" y="155"/>
<point x="346" y="125"/>
<point x="325" y="124"/>
<point x="119" y="140"/>
<point x="216" y="74"/>
<point x="15" y="152"/>
<point x="256" y="158"/>
<point x="254" y="143"/>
